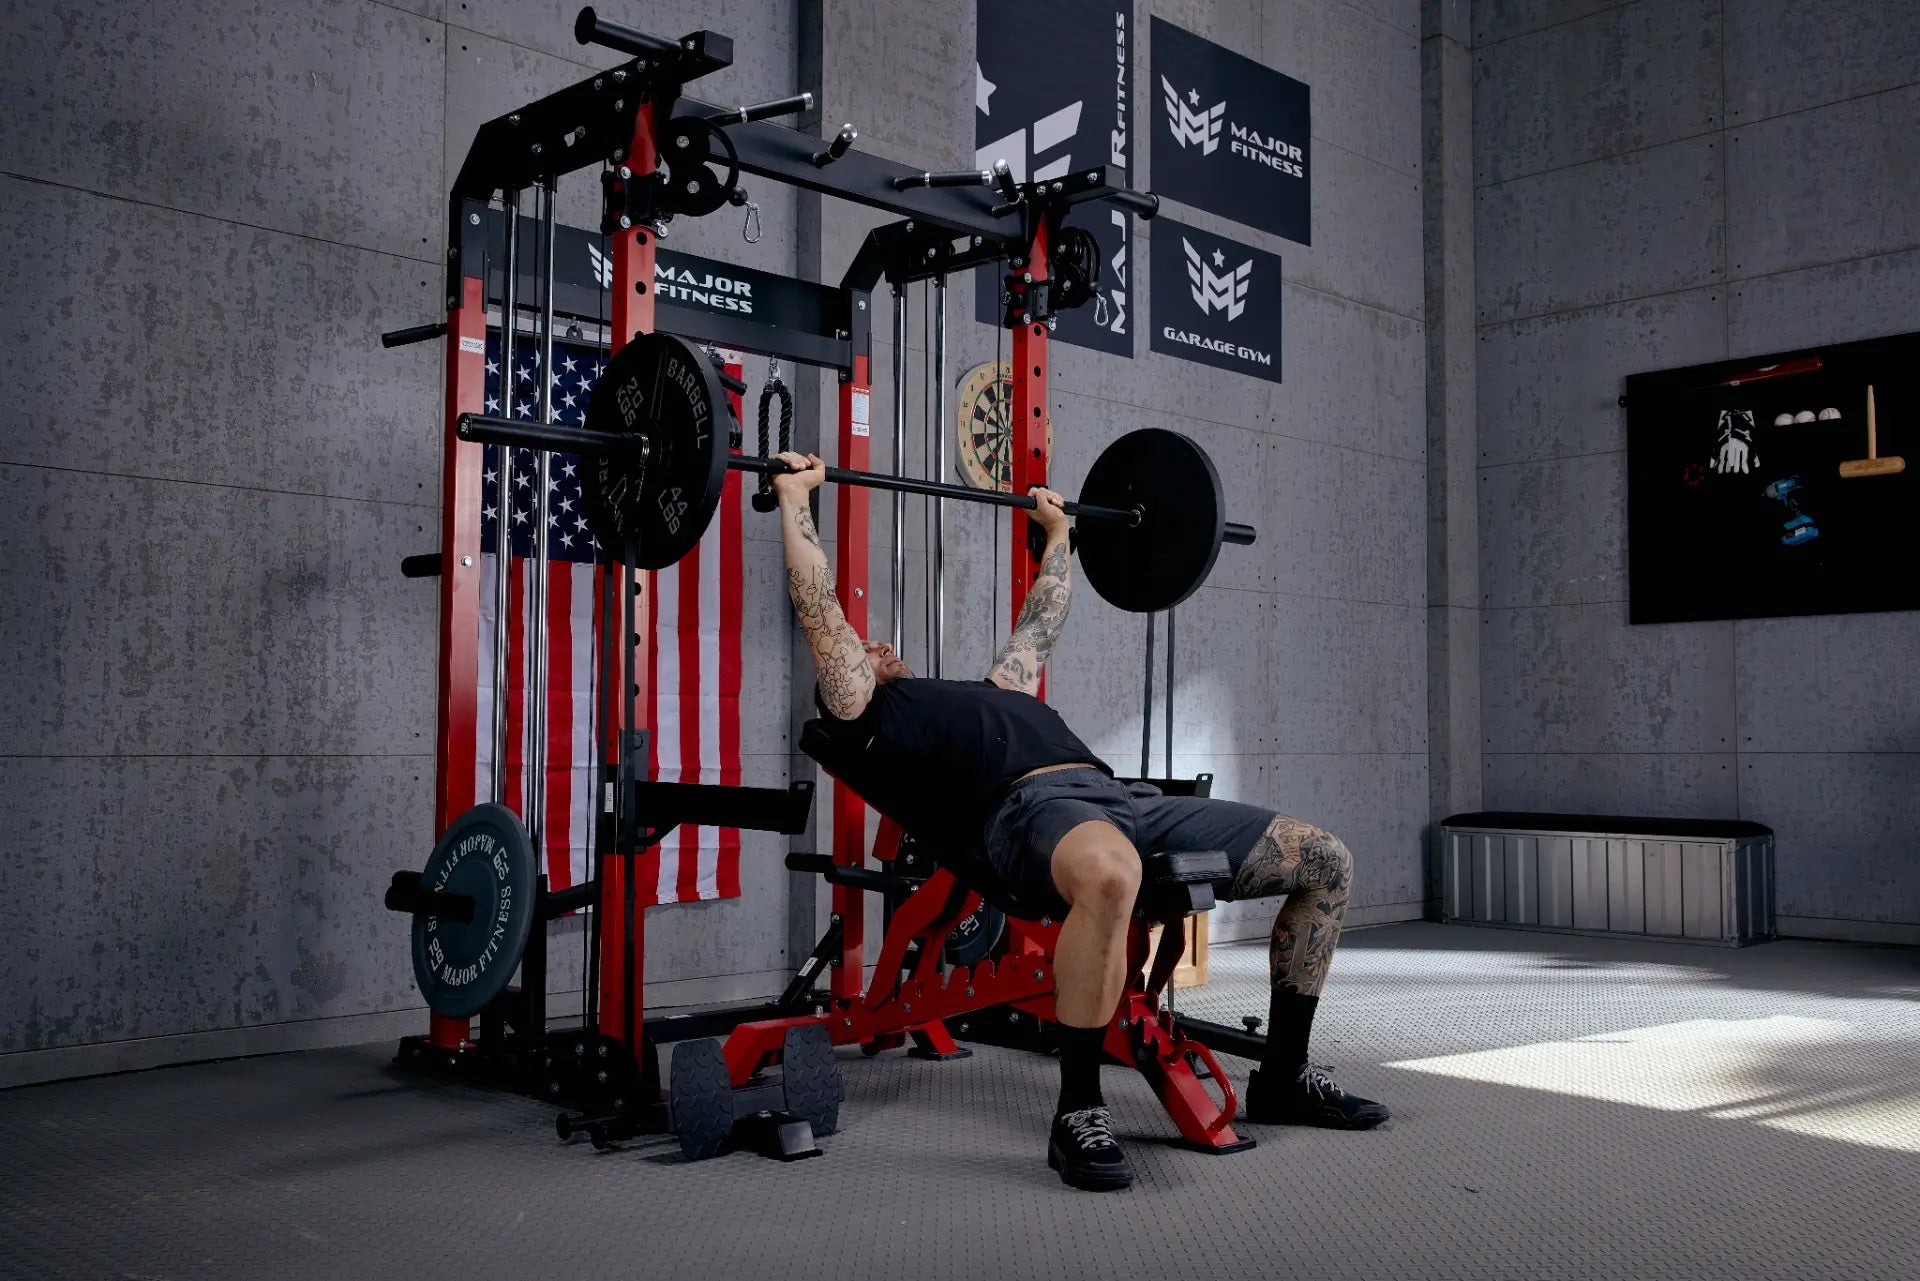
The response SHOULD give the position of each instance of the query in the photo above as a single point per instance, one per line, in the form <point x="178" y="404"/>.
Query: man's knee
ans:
<point x="1096" y="867"/>
<point x="1325" y="861"/>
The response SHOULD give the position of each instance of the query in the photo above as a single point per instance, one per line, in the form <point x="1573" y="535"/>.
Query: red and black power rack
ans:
<point x="665" y="154"/>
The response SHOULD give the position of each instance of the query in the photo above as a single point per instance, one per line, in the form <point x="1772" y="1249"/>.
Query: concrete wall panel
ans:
<point x="1357" y="65"/>
<point x="1651" y="784"/>
<point x="1576" y="679"/>
<point x="301" y="117"/>
<point x="1504" y="19"/>
<point x="169" y="894"/>
<point x="1354" y="376"/>
<point x="265" y="373"/>
<point x="1347" y="676"/>
<point x="1624" y="79"/>
<point x="1554" y="532"/>
<point x="1824" y="185"/>
<point x="1841" y="302"/>
<point x="1845" y="827"/>
<point x="1789" y="55"/>
<point x="1341" y="522"/>
<point x="1837" y="684"/>
<point x="156" y="618"/>
<point x="1579" y="236"/>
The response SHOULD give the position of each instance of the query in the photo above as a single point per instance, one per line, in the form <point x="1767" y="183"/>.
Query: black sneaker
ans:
<point x="1082" y="1148"/>
<point x="1311" y="1098"/>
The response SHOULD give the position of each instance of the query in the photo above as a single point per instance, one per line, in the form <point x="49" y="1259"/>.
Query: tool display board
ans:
<point x="1776" y="485"/>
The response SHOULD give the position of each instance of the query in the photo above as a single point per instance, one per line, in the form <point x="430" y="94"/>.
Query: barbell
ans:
<point x="656" y="451"/>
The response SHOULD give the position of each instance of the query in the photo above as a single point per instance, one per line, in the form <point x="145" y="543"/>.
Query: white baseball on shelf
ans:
<point x="1784" y="420"/>
<point x="1804" y="416"/>
<point x="1829" y="415"/>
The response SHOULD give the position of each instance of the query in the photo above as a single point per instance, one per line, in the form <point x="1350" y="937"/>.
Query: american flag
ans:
<point x="694" y="654"/>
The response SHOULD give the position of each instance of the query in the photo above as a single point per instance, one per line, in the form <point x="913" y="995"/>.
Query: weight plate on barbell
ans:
<point x="462" y="965"/>
<point x="664" y="496"/>
<point x="1162" y="560"/>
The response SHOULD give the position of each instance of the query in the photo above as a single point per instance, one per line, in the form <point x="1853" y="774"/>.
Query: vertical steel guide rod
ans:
<point x="502" y="548"/>
<point x="939" y="466"/>
<point x="898" y="581"/>
<point x="538" y="691"/>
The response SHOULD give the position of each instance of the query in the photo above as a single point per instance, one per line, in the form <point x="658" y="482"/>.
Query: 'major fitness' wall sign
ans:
<point x="1230" y="136"/>
<point x="1052" y="93"/>
<point x="1215" y="301"/>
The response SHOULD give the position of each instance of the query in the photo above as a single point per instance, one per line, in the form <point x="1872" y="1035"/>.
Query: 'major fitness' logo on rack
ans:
<point x="1212" y="95"/>
<point x="1224" y="310"/>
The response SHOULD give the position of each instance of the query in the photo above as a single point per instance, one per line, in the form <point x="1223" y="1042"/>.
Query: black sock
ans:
<point x="1080" y="1056"/>
<point x="1289" y="1024"/>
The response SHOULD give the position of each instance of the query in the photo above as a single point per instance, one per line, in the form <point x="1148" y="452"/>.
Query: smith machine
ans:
<point x="656" y="446"/>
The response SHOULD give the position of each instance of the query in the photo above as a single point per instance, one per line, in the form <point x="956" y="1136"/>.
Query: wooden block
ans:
<point x="1192" y="970"/>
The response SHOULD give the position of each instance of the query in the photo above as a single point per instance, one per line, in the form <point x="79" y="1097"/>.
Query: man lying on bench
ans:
<point x="986" y="756"/>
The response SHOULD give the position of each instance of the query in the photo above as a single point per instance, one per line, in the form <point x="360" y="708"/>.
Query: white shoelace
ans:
<point x="1091" y="1128"/>
<point x="1319" y="1083"/>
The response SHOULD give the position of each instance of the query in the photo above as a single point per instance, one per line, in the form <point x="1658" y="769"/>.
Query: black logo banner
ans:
<point x="684" y="283"/>
<point x="1229" y="135"/>
<point x="1052" y="93"/>
<point x="1215" y="301"/>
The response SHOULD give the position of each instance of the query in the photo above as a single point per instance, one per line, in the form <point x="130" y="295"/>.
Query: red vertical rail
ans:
<point x="456" y="744"/>
<point x="1029" y="443"/>
<point x="850" y="531"/>
<point x="632" y="312"/>
<point x="1029" y="462"/>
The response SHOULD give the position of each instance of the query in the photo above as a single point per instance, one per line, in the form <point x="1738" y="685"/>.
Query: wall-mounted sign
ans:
<point x="1215" y="300"/>
<point x="1231" y="136"/>
<point x="1053" y="92"/>
<point x="1775" y="485"/>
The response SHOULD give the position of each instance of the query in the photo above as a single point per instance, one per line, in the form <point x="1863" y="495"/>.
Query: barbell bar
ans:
<point x="655" y="448"/>
<point x="579" y="440"/>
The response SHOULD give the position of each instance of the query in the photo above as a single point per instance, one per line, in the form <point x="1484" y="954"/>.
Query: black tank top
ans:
<point x="937" y="756"/>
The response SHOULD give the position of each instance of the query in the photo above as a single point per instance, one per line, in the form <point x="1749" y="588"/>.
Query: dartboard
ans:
<point x="984" y="415"/>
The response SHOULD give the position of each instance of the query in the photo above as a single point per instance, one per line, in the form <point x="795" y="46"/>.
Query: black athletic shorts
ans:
<point x="1038" y="811"/>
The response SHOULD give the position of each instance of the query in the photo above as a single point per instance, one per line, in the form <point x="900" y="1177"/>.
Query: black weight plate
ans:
<point x="810" y="1076"/>
<point x="665" y="497"/>
<point x="699" y="1097"/>
<point x="1161" y="561"/>
<point x="461" y="965"/>
<point x="972" y="941"/>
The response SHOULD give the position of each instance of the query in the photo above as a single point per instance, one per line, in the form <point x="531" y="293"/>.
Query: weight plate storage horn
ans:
<point x="1162" y="559"/>
<point x="662" y="495"/>
<point x="462" y="965"/>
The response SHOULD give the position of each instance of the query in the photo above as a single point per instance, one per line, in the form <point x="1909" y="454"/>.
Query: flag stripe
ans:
<point x="687" y="624"/>
<point x="732" y="592"/>
<point x="580" y="782"/>
<point x="558" y="758"/>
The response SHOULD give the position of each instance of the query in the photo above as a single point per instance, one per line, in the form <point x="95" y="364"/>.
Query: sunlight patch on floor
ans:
<point x="1815" y="1077"/>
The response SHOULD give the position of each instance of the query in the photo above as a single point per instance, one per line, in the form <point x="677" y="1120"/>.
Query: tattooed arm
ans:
<point x="1024" y="656"/>
<point x="846" y="680"/>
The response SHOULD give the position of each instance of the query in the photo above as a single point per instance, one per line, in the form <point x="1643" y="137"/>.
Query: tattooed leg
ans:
<point x="1315" y="871"/>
